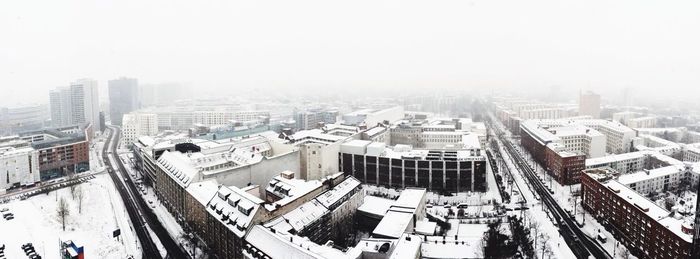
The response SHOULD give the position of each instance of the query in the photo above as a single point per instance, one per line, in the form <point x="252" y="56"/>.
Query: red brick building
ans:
<point x="647" y="230"/>
<point x="564" y="166"/>
<point x="61" y="150"/>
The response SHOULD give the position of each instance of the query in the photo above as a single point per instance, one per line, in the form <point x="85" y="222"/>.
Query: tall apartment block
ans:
<point x="76" y="104"/>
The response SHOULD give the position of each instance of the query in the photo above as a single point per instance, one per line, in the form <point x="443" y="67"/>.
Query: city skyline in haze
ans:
<point x="228" y="48"/>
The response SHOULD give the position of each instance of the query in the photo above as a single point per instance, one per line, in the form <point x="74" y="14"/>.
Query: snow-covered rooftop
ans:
<point x="285" y="245"/>
<point x="234" y="208"/>
<point x="650" y="208"/>
<point x="375" y="206"/>
<point x="393" y="225"/>
<point x="178" y="166"/>
<point x="330" y="197"/>
<point x="203" y="191"/>
<point x="408" y="246"/>
<point x="410" y="198"/>
<point x="283" y="187"/>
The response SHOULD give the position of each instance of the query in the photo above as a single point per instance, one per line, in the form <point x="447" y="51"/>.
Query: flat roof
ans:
<point x="654" y="211"/>
<point x="627" y="179"/>
<point x="410" y="198"/>
<point x="616" y="158"/>
<point x="393" y="225"/>
<point x="375" y="206"/>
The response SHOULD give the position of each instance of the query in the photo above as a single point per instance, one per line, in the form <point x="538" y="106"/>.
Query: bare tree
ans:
<point x="624" y="252"/>
<point x="63" y="211"/>
<point x="80" y="195"/>
<point x="73" y="187"/>
<point x="544" y="239"/>
<point x="534" y="228"/>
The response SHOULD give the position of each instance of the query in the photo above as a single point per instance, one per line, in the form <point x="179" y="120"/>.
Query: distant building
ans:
<point x="371" y="117"/>
<point x="184" y="118"/>
<point x="76" y="104"/>
<point x="589" y="104"/>
<point x="312" y="119"/>
<point x="162" y="94"/>
<point x="135" y="125"/>
<point x="642" y="122"/>
<point x="123" y="98"/>
<point x="22" y="118"/>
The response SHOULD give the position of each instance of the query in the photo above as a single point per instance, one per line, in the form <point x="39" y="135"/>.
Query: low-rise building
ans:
<point x="61" y="151"/>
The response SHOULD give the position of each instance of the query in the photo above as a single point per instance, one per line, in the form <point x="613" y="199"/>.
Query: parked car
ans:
<point x="4" y="209"/>
<point x="602" y="238"/>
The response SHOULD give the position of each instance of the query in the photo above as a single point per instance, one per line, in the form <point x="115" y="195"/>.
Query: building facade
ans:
<point x="647" y="230"/>
<point x="18" y="167"/>
<point x="435" y="170"/>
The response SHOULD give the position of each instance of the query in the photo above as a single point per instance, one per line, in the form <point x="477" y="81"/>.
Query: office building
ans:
<point x="402" y="167"/>
<point x="16" y="119"/>
<point x="123" y="98"/>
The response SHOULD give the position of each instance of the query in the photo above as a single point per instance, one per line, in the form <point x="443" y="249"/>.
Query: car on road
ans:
<point x="602" y="238"/>
<point x="4" y="209"/>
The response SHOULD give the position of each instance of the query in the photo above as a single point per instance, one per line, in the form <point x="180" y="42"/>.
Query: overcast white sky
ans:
<point x="237" y="45"/>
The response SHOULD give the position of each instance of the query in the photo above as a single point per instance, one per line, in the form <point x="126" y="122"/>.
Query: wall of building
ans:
<point x="18" y="167"/>
<point x="450" y="176"/>
<point x="260" y="173"/>
<point x="630" y="225"/>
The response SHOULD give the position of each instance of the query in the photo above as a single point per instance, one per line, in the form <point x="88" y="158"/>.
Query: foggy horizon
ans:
<point x="225" y="48"/>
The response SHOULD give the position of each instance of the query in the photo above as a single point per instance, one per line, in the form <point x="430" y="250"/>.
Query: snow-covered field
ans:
<point x="36" y="221"/>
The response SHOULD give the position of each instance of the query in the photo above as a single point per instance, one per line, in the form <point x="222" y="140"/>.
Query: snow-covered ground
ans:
<point x="36" y="221"/>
